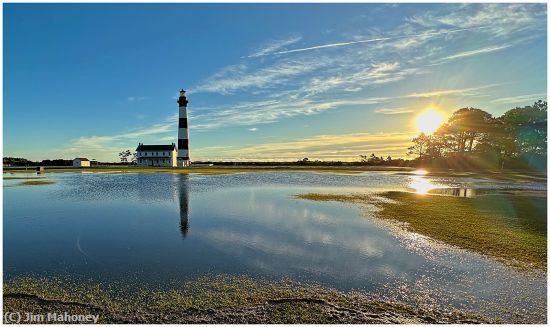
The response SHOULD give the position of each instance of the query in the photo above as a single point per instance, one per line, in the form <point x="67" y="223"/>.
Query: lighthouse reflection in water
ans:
<point x="183" y="195"/>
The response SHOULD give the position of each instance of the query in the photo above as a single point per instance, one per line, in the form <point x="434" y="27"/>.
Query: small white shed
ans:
<point x="81" y="162"/>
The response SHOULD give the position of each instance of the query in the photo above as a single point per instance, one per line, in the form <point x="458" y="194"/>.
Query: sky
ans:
<point x="264" y="81"/>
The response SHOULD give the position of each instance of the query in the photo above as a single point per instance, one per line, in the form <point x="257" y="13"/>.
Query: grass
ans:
<point x="28" y="183"/>
<point x="509" y="227"/>
<point x="215" y="299"/>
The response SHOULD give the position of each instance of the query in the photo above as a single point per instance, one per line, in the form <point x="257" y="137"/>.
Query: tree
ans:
<point x="465" y="127"/>
<point x="420" y="145"/>
<point x="473" y="138"/>
<point x="134" y="158"/>
<point x="17" y="161"/>
<point x="528" y="127"/>
<point x="124" y="156"/>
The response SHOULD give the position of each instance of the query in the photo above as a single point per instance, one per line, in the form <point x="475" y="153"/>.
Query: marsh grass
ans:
<point x="216" y="299"/>
<point x="509" y="227"/>
<point x="41" y="182"/>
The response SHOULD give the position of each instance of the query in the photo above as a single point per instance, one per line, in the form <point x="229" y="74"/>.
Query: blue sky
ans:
<point x="265" y="81"/>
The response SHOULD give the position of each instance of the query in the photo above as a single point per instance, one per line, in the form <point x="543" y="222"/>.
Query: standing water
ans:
<point x="165" y="228"/>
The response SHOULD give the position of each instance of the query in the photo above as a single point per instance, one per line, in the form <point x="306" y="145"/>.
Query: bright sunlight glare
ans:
<point x="429" y="121"/>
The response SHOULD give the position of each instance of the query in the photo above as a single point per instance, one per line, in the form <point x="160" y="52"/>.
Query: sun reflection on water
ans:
<point x="420" y="172"/>
<point x="421" y="185"/>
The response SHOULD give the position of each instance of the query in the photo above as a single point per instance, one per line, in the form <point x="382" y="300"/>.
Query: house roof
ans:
<point x="81" y="159"/>
<point x="156" y="147"/>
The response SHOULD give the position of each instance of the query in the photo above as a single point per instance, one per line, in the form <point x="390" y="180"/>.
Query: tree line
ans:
<point x="473" y="138"/>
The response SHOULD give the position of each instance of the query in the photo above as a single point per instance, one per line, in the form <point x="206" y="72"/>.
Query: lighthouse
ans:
<point x="183" y="132"/>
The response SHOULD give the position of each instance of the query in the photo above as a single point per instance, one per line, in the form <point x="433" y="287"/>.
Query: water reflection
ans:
<point x="422" y="185"/>
<point x="183" y="195"/>
<point x="251" y="224"/>
<point x="460" y="192"/>
<point x="420" y="172"/>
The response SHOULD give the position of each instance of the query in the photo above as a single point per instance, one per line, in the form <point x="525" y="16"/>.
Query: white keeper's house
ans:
<point x="156" y="155"/>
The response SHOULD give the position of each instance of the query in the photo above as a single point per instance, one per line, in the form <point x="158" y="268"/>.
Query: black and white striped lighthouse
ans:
<point x="183" y="132"/>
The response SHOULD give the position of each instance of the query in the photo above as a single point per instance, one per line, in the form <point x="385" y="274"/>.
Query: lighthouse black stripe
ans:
<point x="183" y="144"/>
<point x="183" y="123"/>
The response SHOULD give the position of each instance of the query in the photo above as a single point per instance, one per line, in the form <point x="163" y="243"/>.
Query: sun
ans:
<point x="429" y="121"/>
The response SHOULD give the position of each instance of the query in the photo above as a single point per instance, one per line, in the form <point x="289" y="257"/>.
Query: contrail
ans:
<point x="332" y="45"/>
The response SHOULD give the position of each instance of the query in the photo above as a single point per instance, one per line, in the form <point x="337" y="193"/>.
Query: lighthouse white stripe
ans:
<point x="183" y="133"/>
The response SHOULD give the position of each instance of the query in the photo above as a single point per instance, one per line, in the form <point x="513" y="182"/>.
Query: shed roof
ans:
<point x="81" y="159"/>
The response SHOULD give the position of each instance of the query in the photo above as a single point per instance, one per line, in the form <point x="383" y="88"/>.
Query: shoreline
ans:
<point x="508" y="227"/>
<point x="221" y="299"/>
<point x="509" y="175"/>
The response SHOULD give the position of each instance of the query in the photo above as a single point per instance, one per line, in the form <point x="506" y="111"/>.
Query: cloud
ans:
<point x="470" y="91"/>
<point x="107" y="147"/>
<point x="274" y="46"/>
<point x="500" y="19"/>
<point x="254" y="129"/>
<point x="520" y="98"/>
<point x="346" y="147"/>
<point x="356" y="80"/>
<point x="393" y="111"/>
<point x="340" y="44"/>
<point x="476" y="52"/>
<point x="269" y="111"/>
<point x="135" y="98"/>
<point x="238" y="78"/>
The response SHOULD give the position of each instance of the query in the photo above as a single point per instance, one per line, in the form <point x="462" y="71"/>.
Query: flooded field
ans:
<point x="162" y="229"/>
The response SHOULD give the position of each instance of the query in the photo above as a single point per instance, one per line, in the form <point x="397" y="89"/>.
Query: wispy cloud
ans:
<point x="274" y="45"/>
<point x="269" y="111"/>
<point x="239" y="77"/>
<point x="379" y="39"/>
<point x="500" y="19"/>
<point x="470" y="91"/>
<point x="394" y="111"/>
<point x="253" y="129"/>
<point x="520" y="98"/>
<point x="476" y="52"/>
<point x="346" y="147"/>
<point x="136" y="98"/>
<point x="106" y="147"/>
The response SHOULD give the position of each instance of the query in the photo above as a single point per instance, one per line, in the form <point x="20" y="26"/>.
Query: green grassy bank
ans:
<point x="217" y="299"/>
<point x="509" y="227"/>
